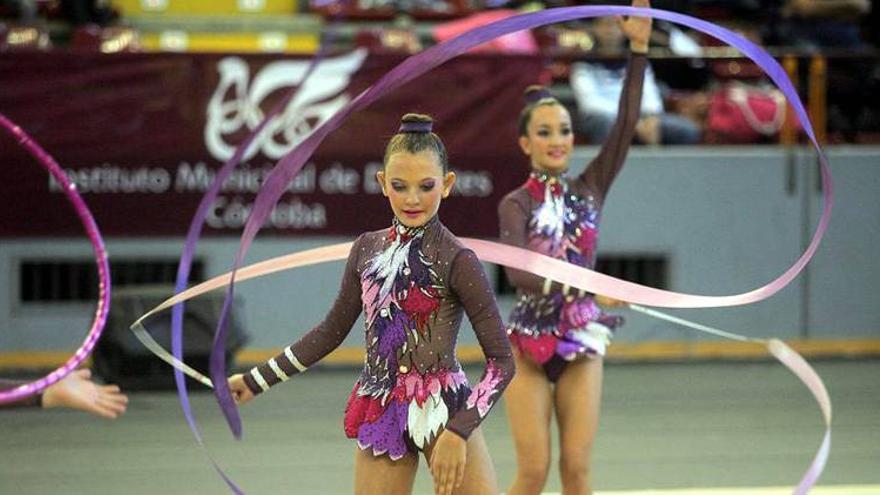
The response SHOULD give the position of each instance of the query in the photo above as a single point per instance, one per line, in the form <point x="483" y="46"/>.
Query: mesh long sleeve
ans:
<point x="321" y="340"/>
<point x="468" y="281"/>
<point x="603" y="169"/>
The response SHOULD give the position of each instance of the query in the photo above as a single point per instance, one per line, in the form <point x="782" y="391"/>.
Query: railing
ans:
<point x="560" y="47"/>
<point x="808" y="71"/>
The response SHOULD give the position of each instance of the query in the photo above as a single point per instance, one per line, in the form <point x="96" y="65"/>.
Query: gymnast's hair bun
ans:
<point x="535" y="93"/>
<point x="416" y="123"/>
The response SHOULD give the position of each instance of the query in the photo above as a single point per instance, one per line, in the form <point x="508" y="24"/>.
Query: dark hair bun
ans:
<point x="536" y="93"/>
<point x="416" y="123"/>
<point x="416" y="117"/>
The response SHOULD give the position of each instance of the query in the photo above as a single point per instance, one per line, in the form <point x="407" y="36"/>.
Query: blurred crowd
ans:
<point x="697" y="91"/>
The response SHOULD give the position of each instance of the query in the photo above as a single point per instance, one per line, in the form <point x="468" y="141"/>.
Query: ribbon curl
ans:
<point x="292" y="163"/>
<point x="416" y="65"/>
<point x="788" y="357"/>
<point x="218" y="365"/>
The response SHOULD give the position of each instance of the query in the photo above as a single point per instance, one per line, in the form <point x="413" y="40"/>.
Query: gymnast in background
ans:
<point x="559" y="334"/>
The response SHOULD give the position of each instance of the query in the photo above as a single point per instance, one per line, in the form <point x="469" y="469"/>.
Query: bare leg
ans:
<point x="379" y="475"/>
<point x="529" y="404"/>
<point x="479" y="472"/>
<point x="577" y="397"/>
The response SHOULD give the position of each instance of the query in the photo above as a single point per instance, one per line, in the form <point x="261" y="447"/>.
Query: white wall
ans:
<point x="723" y="216"/>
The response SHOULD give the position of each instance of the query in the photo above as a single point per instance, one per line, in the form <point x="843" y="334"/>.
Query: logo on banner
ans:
<point x="236" y="103"/>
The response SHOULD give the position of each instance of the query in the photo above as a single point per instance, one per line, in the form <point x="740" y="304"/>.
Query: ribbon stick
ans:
<point x="97" y="242"/>
<point x="696" y="326"/>
<point x="179" y="366"/>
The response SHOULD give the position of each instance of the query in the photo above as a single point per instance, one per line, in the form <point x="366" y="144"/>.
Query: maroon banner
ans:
<point x="142" y="135"/>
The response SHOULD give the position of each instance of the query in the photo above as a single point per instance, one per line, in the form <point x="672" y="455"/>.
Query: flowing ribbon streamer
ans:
<point x="788" y="357"/>
<point x="791" y="360"/>
<point x="287" y="168"/>
<point x="217" y="362"/>
<point x="292" y="163"/>
<point x="94" y="234"/>
<point x="290" y="261"/>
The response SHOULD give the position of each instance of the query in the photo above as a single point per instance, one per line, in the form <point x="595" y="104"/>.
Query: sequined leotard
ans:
<point x="413" y="285"/>
<point x="559" y="217"/>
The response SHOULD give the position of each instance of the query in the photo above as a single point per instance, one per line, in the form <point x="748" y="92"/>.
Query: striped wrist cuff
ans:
<point x="274" y="371"/>
<point x="288" y="353"/>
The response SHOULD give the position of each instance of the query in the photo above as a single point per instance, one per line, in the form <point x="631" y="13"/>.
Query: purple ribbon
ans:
<point x="290" y="165"/>
<point x="91" y="228"/>
<point x="217" y="363"/>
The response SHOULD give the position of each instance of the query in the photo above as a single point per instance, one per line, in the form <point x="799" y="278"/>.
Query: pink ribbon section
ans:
<point x="794" y="362"/>
<point x="539" y="264"/>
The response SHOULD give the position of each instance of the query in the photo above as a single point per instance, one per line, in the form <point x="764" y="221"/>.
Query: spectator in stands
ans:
<point x="79" y="12"/>
<point x="813" y="24"/>
<point x="832" y="26"/>
<point x="25" y="10"/>
<point x="597" y="87"/>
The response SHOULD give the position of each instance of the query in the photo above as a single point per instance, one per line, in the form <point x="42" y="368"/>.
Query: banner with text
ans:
<point x="142" y="135"/>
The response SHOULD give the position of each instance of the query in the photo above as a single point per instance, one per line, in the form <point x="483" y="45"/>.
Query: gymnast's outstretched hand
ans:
<point x="78" y="391"/>
<point x="240" y="391"/>
<point x="608" y="302"/>
<point x="448" y="459"/>
<point x="637" y="29"/>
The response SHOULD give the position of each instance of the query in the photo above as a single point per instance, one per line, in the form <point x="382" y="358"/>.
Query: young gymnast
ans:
<point x="559" y="335"/>
<point x="413" y="281"/>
